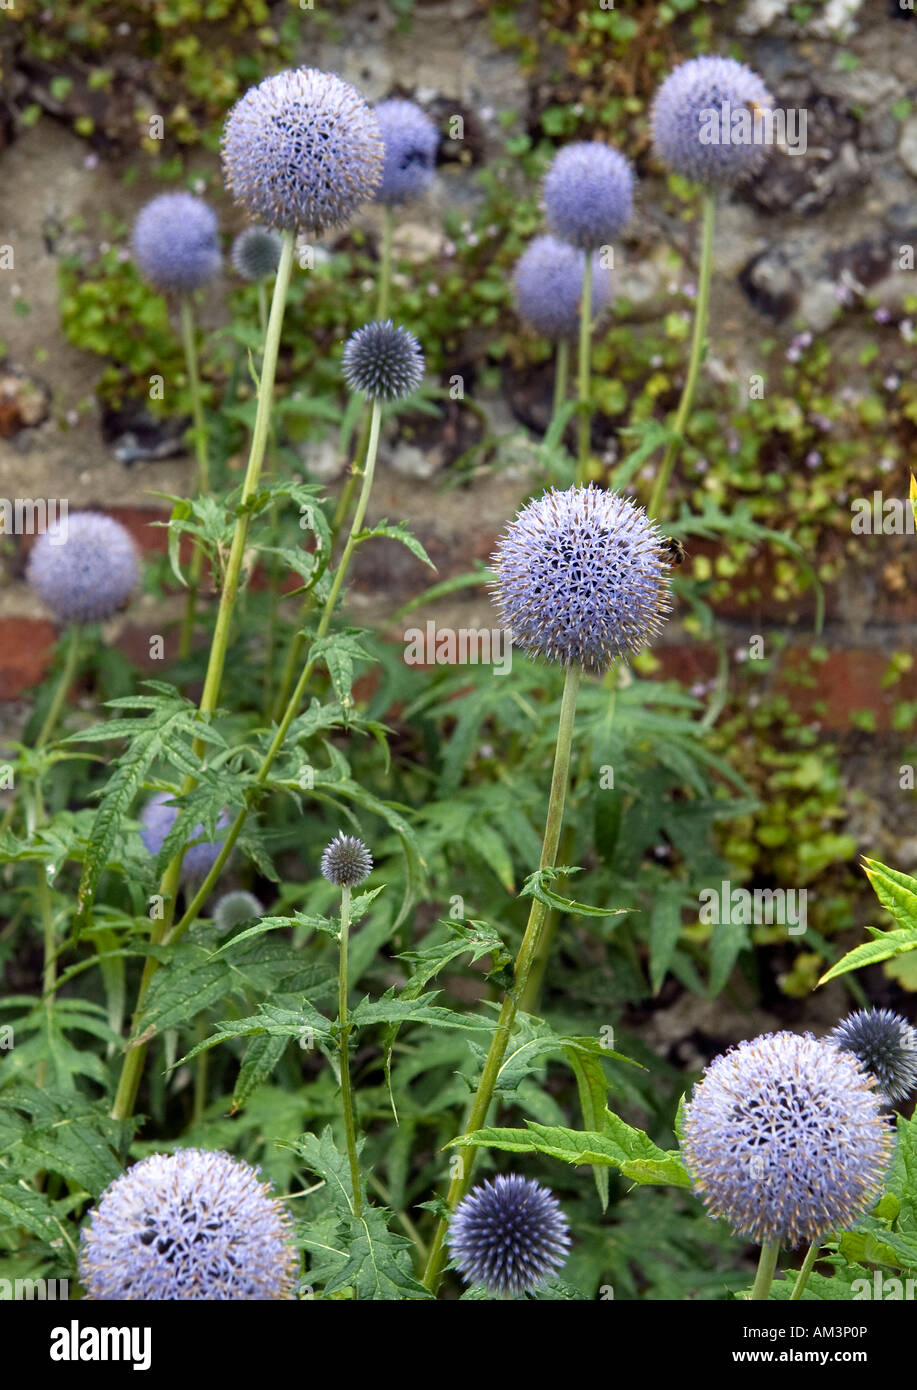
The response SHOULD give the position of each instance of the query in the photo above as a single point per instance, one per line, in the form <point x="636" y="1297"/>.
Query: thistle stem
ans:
<point x="561" y="372"/>
<point x="802" y="1278"/>
<point x="385" y="262"/>
<point x="165" y="932"/>
<point x="132" y="1068"/>
<point x="350" y="1127"/>
<point x="68" y="671"/>
<point x="189" y="343"/>
<point x="701" y="313"/>
<point x="525" y="959"/>
<point x="585" y="336"/>
<point x="767" y="1263"/>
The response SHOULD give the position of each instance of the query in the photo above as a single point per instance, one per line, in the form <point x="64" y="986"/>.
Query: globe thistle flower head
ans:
<point x="84" y="567"/>
<point x="410" y="139"/>
<point x="383" y="361"/>
<point x="549" y="287"/>
<point x="188" y="1226"/>
<point x="509" y="1234"/>
<point x="581" y="577"/>
<point x="175" y="242"/>
<point x="346" y="861"/>
<point x="588" y="194"/>
<point x="256" y="253"/>
<point x="885" y="1044"/>
<point x="156" y="820"/>
<point x="708" y="120"/>
<point x="234" y="908"/>
<point x="302" y="151"/>
<point x="785" y="1139"/>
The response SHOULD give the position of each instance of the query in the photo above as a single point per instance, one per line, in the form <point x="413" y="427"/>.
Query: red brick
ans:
<point x="26" y="649"/>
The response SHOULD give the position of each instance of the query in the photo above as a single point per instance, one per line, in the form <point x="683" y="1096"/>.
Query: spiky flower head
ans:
<point x="588" y="194"/>
<point x="234" y="908"/>
<point x="886" y="1045"/>
<point x="346" y="861"/>
<point x="581" y="577"/>
<point x="708" y="121"/>
<point x="156" y="820"/>
<point x="509" y="1234"/>
<point x="256" y="253"/>
<point x="84" y="567"/>
<point x="383" y="361"/>
<point x="175" y="242"/>
<point x="410" y="139"/>
<point x="785" y="1139"/>
<point x="549" y="286"/>
<point x="302" y="151"/>
<point x="188" y="1226"/>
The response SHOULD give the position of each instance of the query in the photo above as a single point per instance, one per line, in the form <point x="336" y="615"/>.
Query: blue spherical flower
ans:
<point x="549" y="286"/>
<point x="704" y="121"/>
<point x="346" y="861"/>
<point x="234" y="908"/>
<point x="785" y="1139"/>
<point x="175" y="242"/>
<point x="384" y="362"/>
<point x="157" y="818"/>
<point x="886" y="1045"/>
<point x="582" y="577"/>
<point x="302" y="151"/>
<point x="509" y="1234"/>
<point x="410" y="139"/>
<point x="189" y="1226"/>
<point x="256" y="253"/>
<point x="84" y="567"/>
<point x="589" y="194"/>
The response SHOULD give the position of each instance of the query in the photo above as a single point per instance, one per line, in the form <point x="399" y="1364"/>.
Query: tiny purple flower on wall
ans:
<point x="885" y="1044"/>
<point x="704" y="121"/>
<point x="509" y="1234"/>
<point x="581" y="577"/>
<point x="84" y="568"/>
<point x="302" y="151"/>
<point x="175" y="242"/>
<point x="785" y="1139"/>
<point x="156" y="820"/>
<point x="385" y="363"/>
<point x="188" y="1226"/>
<point x="549" y="286"/>
<point x="256" y="253"/>
<point x="346" y="861"/>
<point x="588" y="194"/>
<point x="410" y="139"/>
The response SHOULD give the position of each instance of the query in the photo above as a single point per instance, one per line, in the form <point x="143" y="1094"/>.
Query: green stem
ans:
<point x="166" y="933"/>
<point x="561" y="373"/>
<point x="802" y="1278"/>
<point x="202" y="485"/>
<point x="585" y="336"/>
<point x="385" y="262"/>
<point x="350" y="1127"/>
<point x="529" y="1001"/>
<point x="767" y="1263"/>
<point x="132" y="1068"/>
<point x="68" y="671"/>
<point x="525" y="959"/>
<point x="701" y="313"/>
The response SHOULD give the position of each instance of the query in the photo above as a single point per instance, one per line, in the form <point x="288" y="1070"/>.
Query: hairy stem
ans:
<point x="525" y="959"/>
<point x="202" y="484"/>
<point x="701" y="311"/>
<point x="350" y="1127"/>
<point x="805" y="1269"/>
<point x="585" y="345"/>
<point x="767" y="1264"/>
